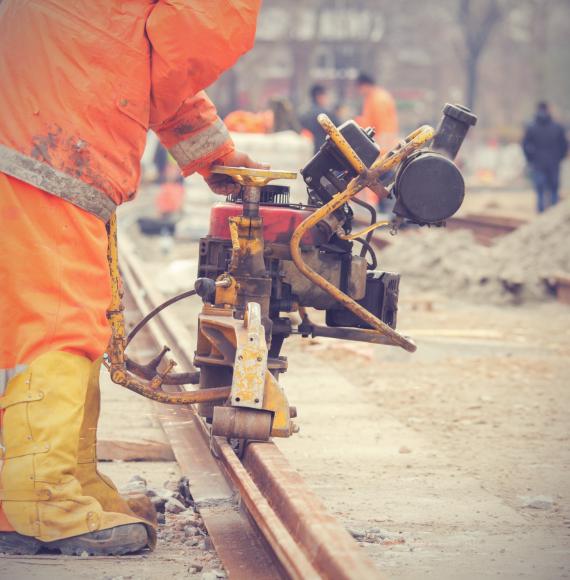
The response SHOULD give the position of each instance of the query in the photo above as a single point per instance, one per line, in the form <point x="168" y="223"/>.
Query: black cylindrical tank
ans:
<point x="429" y="188"/>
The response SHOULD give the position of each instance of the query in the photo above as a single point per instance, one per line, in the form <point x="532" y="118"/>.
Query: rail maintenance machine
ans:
<point x="265" y="257"/>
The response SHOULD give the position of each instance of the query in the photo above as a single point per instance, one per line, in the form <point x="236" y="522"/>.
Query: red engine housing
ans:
<point x="279" y="222"/>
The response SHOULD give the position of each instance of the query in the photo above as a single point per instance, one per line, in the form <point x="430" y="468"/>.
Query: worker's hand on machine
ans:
<point x="224" y="184"/>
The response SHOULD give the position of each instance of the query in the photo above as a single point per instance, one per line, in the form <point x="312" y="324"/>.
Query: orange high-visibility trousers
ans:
<point x="54" y="278"/>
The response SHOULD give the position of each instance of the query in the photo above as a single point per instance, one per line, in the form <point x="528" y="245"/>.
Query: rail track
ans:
<point x="262" y="519"/>
<point x="485" y="228"/>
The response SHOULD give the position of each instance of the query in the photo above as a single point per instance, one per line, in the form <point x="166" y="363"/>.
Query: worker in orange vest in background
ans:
<point x="82" y="83"/>
<point x="379" y="112"/>
<point x="170" y="197"/>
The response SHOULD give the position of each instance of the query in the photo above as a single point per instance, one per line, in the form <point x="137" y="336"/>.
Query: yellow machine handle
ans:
<point x="366" y="177"/>
<point x="343" y="145"/>
<point x="252" y="177"/>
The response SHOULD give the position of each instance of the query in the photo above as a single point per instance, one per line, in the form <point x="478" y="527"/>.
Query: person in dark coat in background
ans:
<point x="545" y="146"/>
<point x="320" y="104"/>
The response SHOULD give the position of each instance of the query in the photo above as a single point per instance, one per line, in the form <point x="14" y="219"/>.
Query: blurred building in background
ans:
<point x="499" y="55"/>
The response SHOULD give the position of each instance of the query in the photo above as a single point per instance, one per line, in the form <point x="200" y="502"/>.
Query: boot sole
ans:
<point x="118" y="541"/>
<point x="14" y="544"/>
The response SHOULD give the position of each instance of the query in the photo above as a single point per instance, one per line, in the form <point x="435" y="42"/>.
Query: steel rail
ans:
<point x="278" y="528"/>
<point x="485" y="228"/>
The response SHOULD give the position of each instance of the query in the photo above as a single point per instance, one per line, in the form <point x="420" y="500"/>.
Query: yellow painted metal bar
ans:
<point x="339" y="140"/>
<point x="234" y="235"/>
<point x="387" y="162"/>
<point x="115" y="316"/>
<point x="116" y="358"/>
<point x="363" y="232"/>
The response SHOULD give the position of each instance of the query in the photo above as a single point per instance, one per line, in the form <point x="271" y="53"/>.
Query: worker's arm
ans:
<point x="197" y="139"/>
<point x="195" y="136"/>
<point x="192" y="43"/>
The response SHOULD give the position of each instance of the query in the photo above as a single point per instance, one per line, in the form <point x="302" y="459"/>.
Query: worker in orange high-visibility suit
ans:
<point x="82" y="82"/>
<point x="379" y="112"/>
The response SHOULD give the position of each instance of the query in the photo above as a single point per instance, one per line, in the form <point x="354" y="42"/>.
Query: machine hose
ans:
<point x="155" y="311"/>
<point x="368" y="249"/>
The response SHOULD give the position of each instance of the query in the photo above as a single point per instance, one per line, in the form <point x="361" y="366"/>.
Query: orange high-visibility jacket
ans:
<point x="379" y="112"/>
<point x="82" y="82"/>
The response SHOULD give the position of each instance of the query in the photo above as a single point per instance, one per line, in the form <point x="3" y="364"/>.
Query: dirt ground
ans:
<point x="431" y="458"/>
<point x="518" y="203"/>
<point x="453" y="462"/>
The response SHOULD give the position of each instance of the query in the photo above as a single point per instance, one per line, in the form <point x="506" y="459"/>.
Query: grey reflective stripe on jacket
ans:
<point x="50" y="180"/>
<point x="7" y="374"/>
<point x="200" y="145"/>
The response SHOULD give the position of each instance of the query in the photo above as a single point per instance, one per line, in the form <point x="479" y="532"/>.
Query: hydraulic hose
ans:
<point x="155" y="311"/>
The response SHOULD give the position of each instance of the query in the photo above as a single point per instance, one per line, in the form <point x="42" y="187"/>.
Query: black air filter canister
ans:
<point x="430" y="189"/>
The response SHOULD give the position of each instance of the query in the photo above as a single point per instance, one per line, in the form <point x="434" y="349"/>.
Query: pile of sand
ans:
<point x="519" y="267"/>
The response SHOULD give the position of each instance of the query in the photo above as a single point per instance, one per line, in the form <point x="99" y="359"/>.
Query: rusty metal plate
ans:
<point x="250" y="364"/>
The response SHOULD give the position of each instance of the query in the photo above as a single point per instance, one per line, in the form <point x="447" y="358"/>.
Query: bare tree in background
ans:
<point x="476" y="19"/>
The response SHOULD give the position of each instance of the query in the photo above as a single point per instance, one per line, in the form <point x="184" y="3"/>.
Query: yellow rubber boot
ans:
<point x="96" y="484"/>
<point x="41" y="495"/>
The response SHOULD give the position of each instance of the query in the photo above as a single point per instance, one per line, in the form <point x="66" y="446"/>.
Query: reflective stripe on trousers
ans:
<point x="7" y="374"/>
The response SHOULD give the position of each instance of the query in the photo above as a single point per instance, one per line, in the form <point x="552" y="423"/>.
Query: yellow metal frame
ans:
<point x="222" y="339"/>
<point x="366" y="177"/>
<point x="250" y="362"/>
<point x="363" y="232"/>
<point x="115" y="359"/>
<point x="229" y="336"/>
